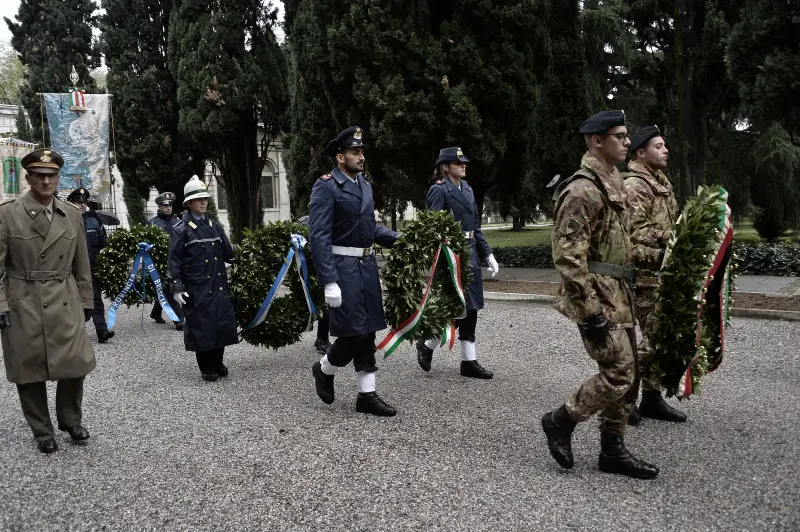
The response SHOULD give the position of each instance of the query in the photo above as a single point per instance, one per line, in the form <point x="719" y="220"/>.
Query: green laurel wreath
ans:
<point x="694" y="243"/>
<point x="113" y="264"/>
<point x="406" y="273"/>
<point x="256" y="263"/>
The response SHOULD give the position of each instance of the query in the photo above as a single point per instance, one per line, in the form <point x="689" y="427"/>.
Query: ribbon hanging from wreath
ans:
<point x="406" y="328"/>
<point x="141" y="262"/>
<point x="296" y="245"/>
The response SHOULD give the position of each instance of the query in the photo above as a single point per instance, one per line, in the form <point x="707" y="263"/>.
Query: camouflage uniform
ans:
<point x="591" y="224"/>
<point x="653" y="209"/>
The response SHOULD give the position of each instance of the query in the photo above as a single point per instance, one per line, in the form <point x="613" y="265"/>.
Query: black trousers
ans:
<point x="69" y="400"/>
<point x="358" y="349"/>
<point x="209" y="361"/>
<point x="466" y="326"/>
<point x="323" y="327"/>
<point x="99" y="314"/>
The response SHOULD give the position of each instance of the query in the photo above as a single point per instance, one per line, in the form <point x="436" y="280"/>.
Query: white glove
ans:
<point x="179" y="298"/>
<point x="493" y="266"/>
<point x="333" y="295"/>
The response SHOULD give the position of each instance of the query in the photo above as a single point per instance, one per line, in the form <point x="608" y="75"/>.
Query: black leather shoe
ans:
<point x="471" y="368"/>
<point x="322" y="346"/>
<point x="558" y="426"/>
<point x="104" y="336"/>
<point x="48" y="446"/>
<point x="222" y="370"/>
<point x="78" y="433"/>
<point x="634" y="418"/>
<point x="424" y="355"/>
<point x="178" y="325"/>
<point x="323" y="383"/>
<point x="371" y="403"/>
<point x="654" y="406"/>
<point x="158" y="319"/>
<point x="210" y="377"/>
<point x="615" y="458"/>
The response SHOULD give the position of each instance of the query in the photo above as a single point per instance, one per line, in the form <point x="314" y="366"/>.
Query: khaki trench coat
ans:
<point x="47" y="339"/>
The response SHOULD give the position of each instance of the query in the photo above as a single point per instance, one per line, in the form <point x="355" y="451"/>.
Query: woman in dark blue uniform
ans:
<point x="452" y="193"/>
<point x="199" y="249"/>
<point x="165" y="221"/>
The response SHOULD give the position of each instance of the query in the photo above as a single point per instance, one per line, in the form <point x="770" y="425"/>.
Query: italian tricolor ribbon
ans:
<point x="407" y="327"/>
<point x="77" y="97"/>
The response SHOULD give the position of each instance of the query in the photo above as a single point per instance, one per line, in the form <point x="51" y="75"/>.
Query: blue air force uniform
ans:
<point x="167" y="223"/>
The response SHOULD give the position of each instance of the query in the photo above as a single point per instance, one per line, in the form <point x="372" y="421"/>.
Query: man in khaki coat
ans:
<point x="45" y="299"/>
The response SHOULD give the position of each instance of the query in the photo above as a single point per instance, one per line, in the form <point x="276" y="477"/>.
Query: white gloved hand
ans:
<point x="493" y="266"/>
<point x="179" y="298"/>
<point x="333" y="295"/>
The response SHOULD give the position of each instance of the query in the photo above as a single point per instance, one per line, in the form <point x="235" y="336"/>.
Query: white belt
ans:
<point x="469" y="234"/>
<point x="351" y="252"/>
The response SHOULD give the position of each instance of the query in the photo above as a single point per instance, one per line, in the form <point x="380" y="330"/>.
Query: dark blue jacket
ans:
<point x="446" y="196"/>
<point x="96" y="236"/>
<point x="197" y="254"/>
<point x="164" y="221"/>
<point x="342" y="213"/>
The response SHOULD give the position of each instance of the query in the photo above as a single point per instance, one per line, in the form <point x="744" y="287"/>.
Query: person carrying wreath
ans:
<point x="165" y="221"/>
<point x="452" y="193"/>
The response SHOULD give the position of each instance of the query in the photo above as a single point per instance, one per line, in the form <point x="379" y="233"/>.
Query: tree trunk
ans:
<point x="518" y="222"/>
<point x="241" y="174"/>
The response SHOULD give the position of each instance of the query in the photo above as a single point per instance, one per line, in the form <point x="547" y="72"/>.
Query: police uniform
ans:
<point x="591" y="251"/>
<point x="458" y="198"/>
<point x="167" y="223"/>
<point x="199" y="249"/>
<point x="96" y="239"/>
<point x="342" y="232"/>
<point x="322" y="343"/>
<point x="45" y="300"/>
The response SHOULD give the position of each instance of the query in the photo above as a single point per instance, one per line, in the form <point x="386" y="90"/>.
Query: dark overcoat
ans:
<point x="446" y="196"/>
<point x="166" y="223"/>
<point x="197" y="254"/>
<point x="342" y="213"/>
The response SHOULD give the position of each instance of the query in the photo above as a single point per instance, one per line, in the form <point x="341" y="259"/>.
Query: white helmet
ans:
<point x="194" y="189"/>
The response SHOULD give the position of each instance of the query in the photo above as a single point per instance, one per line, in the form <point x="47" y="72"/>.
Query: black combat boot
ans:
<point x="424" y="355"/>
<point x="371" y="403"/>
<point x="558" y="426"/>
<point x="471" y="368"/>
<point x="615" y="458"/>
<point x="323" y="383"/>
<point x="655" y="407"/>
<point x="634" y="418"/>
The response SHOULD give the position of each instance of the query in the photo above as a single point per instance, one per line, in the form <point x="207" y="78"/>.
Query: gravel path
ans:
<point x="259" y="451"/>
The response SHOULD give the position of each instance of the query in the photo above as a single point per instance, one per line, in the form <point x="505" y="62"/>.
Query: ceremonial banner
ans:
<point x="81" y="137"/>
<point x="11" y="153"/>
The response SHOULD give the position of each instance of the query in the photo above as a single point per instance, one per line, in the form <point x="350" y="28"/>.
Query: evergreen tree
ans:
<point x="23" y="126"/>
<point x="11" y="74"/>
<point x="231" y="75"/>
<point x="150" y="151"/>
<point x="51" y="38"/>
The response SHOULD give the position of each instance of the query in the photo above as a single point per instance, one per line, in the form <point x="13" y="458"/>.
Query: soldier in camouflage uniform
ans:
<point x="653" y="210"/>
<point x="591" y="251"/>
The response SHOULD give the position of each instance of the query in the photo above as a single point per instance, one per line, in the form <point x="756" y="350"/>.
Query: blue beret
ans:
<point x="639" y="140"/>
<point x="602" y="122"/>
<point x="349" y="138"/>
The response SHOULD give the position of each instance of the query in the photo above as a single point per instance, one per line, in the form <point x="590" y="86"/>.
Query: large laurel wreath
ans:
<point x="113" y="264"/>
<point x="405" y="274"/>
<point x="694" y="243"/>
<point x="256" y="263"/>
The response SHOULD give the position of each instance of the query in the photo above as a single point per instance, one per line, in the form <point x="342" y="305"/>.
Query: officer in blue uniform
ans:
<point x="452" y="193"/>
<point x="166" y="221"/>
<point x="198" y="251"/>
<point x="96" y="239"/>
<point x="343" y="230"/>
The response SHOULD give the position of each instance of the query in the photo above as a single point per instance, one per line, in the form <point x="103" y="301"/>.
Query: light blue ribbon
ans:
<point x="295" y="252"/>
<point x="144" y="261"/>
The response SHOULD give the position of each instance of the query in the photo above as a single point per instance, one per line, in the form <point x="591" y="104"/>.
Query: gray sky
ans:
<point x="8" y="8"/>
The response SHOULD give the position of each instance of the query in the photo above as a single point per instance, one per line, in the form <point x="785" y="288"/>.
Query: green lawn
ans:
<point x="499" y="238"/>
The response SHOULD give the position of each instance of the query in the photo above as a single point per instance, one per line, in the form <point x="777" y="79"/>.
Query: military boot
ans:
<point x="323" y="383"/>
<point x="655" y="407"/>
<point x="558" y="426"/>
<point x="371" y="403"/>
<point x="615" y="458"/>
<point x="471" y="368"/>
<point x="424" y="355"/>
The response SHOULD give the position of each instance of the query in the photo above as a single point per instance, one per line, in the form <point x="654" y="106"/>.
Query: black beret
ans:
<point x="79" y="194"/>
<point x="602" y="122"/>
<point x="43" y="161"/>
<point x="450" y="154"/>
<point x="349" y="138"/>
<point x="639" y="140"/>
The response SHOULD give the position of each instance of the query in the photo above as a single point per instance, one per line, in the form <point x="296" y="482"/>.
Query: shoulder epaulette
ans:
<point x="72" y="205"/>
<point x="325" y="177"/>
<point x="626" y="175"/>
<point x="8" y="201"/>
<point x="439" y="182"/>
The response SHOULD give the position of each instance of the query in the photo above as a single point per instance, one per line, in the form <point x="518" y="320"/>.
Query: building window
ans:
<point x="269" y="187"/>
<point x="222" y="199"/>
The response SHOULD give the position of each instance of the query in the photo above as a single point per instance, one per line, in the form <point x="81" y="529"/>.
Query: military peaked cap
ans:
<point x="450" y="154"/>
<point x="79" y="194"/>
<point x="639" y="140"/>
<point x="165" y="198"/>
<point x="43" y="161"/>
<point x="352" y="137"/>
<point x="602" y="122"/>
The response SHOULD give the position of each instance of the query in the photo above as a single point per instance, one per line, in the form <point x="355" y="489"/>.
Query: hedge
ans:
<point x="782" y="258"/>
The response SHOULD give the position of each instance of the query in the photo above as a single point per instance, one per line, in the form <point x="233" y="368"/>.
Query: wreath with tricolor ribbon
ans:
<point x="693" y="298"/>
<point x="425" y="277"/>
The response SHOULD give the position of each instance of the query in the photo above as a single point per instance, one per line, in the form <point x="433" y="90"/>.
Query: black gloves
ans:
<point x="5" y="322"/>
<point x="595" y="328"/>
<point x="87" y="314"/>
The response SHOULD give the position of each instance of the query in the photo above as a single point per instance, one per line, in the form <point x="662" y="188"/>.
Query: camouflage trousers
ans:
<point x="645" y="352"/>
<point x="614" y="390"/>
